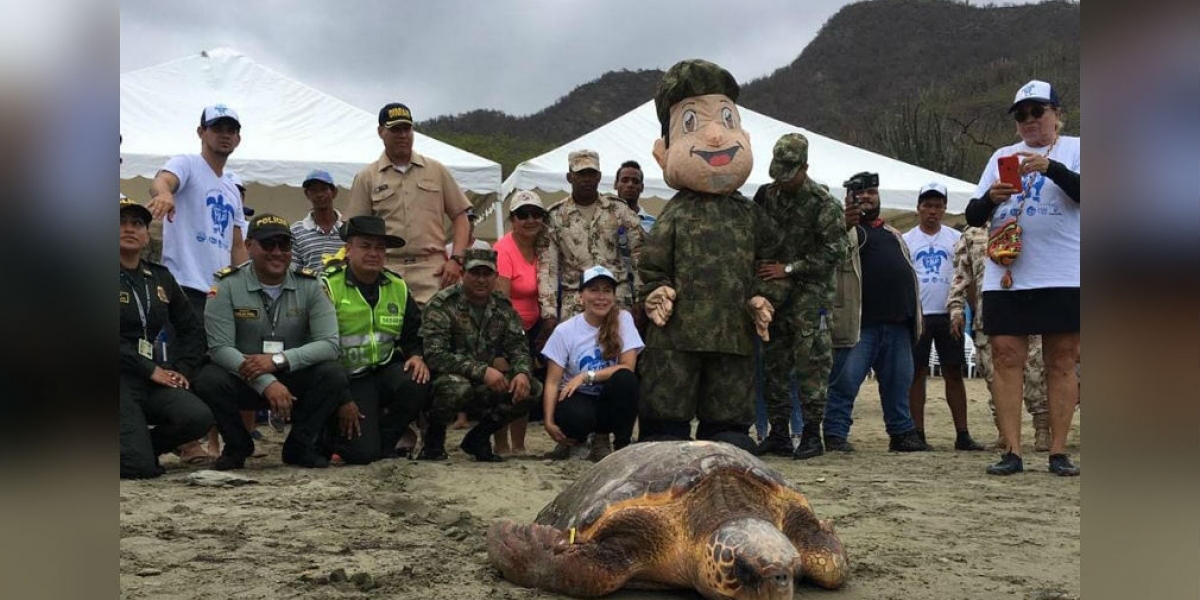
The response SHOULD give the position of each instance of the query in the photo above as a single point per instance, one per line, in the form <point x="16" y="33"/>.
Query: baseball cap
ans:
<point x="266" y="226"/>
<point x="479" y="257"/>
<point x="131" y="204"/>
<point x="1036" y="90"/>
<point x="580" y="160"/>
<point x="394" y="114"/>
<point x="790" y="153"/>
<point x="932" y="187"/>
<point x="373" y="226"/>
<point x="596" y="272"/>
<point x="524" y="198"/>
<point x="317" y="175"/>
<point x="216" y="112"/>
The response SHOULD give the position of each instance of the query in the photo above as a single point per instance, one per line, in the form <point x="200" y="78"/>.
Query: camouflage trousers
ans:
<point x="453" y="394"/>
<point x="711" y="386"/>
<point x="810" y="357"/>
<point x="1035" y="372"/>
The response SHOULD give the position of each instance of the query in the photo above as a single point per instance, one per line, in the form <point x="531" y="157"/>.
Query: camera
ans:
<point x="861" y="181"/>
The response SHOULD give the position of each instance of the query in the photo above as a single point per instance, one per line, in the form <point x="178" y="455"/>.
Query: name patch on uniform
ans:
<point x="245" y="313"/>
<point x="162" y="295"/>
<point x="296" y="312"/>
<point x="390" y="320"/>
<point x="124" y="297"/>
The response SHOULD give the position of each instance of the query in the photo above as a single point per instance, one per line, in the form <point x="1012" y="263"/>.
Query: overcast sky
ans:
<point x="451" y="56"/>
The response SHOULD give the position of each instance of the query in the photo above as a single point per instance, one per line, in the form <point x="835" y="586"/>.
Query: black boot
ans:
<point x="435" y="443"/>
<point x="964" y="441"/>
<point x="664" y="431"/>
<point x="478" y="442"/>
<point x="810" y="443"/>
<point x="729" y="433"/>
<point x="777" y="442"/>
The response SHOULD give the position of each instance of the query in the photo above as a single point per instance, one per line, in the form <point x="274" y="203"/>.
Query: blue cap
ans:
<point x="595" y="272"/>
<point x="318" y="175"/>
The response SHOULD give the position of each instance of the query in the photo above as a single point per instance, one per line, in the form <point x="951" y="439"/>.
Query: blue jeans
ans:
<point x="887" y="349"/>
<point x="760" y="403"/>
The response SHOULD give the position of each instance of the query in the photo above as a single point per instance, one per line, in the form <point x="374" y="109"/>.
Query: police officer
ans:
<point x="813" y="233"/>
<point x="273" y="341"/>
<point x="475" y="344"/>
<point x="155" y="379"/>
<point x="378" y="328"/>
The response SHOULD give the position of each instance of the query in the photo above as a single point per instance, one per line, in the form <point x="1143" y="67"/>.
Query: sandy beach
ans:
<point x="919" y="526"/>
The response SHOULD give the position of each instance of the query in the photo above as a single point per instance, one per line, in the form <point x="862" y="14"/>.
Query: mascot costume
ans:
<point x="698" y="266"/>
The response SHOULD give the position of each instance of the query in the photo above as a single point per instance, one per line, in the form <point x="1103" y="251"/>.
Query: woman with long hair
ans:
<point x="590" y="360"/>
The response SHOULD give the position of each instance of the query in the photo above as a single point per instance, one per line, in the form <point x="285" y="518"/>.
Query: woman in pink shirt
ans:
<point x="516" y="265"/>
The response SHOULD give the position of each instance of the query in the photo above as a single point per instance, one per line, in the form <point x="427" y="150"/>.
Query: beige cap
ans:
<point x="583" y="159"/>
<point x="524" y="198"/>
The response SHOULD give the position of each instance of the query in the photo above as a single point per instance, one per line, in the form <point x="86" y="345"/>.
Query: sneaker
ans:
<point x="601" y="447"/>
<point x="1009" y="463"/>
<point x="229" y="463"/>
<point x="1061" y="465"/>
<point x="834" y="443"/>
<point x="966" y="442"/>
<point x="907" y="442"/>
<point x="433" y="453"/>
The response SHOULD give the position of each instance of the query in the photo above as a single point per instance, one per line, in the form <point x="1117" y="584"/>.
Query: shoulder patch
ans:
<point x="226" y="272"/>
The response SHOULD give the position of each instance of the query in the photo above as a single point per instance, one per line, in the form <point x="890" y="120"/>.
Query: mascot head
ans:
<point x="703" y="146"/>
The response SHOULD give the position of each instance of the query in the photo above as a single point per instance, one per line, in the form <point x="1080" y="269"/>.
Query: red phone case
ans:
<point x="1010" y="172"/>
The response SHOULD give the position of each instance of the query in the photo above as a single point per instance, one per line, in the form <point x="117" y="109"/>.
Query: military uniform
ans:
<point x="461" y="341"/>
<point x="150" y="302"/>
<point x="970" y="257"/>
<point x="813" y="233"/>
<point x="412" y="203"/>
<point x="241" y="319"/>
<point x="572" y="244"/>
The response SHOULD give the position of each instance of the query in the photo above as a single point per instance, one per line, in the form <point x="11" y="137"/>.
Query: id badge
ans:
<point x="272" y="346"/>
<point x="146" y="349"/>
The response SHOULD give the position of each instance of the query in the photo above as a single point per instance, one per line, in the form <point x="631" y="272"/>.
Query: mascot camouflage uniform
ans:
<point x="698" y="266"/>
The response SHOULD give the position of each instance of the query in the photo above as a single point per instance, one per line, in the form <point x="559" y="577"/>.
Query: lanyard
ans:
<point x="138" y="300"/>
<point x="272" y="307"/>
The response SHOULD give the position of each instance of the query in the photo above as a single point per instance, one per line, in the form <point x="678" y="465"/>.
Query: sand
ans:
<point x="917" y="526"/>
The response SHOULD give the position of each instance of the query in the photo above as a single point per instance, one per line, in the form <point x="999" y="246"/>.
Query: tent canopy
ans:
<point x="289" y="128"/>
<point x="631" y="137"/>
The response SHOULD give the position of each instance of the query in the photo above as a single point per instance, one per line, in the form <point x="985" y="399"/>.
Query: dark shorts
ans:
<point x="936" y="333"/>
<point x="1031" y="312"/>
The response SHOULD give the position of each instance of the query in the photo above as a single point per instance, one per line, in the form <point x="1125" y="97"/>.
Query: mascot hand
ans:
<point x="659" y="305"/>
<point x="762" y="311"/>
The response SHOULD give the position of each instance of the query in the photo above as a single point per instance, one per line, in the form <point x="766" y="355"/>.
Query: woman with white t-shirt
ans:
<point x="1038" y="293"/>
<point x="590" y="359"/>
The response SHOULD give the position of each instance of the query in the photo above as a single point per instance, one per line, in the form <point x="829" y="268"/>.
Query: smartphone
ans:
<point x="1010" y="170"/>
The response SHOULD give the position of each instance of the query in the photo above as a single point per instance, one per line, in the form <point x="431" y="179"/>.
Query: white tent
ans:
<point x="288" y="127"/>
<point x="631" y="137"/>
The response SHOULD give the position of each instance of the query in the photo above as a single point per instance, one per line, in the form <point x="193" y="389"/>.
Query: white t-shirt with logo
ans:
<point x="1049" y="219"/>
<point x="575" y="346"/>
<point x="197" y="241"/>
<point x="933" y="260"/>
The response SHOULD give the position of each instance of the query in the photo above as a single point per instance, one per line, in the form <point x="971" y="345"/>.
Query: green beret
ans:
<point x="690" y="78"/>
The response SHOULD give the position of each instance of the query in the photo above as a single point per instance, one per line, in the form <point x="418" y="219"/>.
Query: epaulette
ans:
<point x="226" y="272"/>
<point x="305" y="272"/>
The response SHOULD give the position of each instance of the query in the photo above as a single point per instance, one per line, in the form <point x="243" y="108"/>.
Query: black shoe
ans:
<point x="477" y="445"/>
<point x="810" y="446"/>
<point x="1009" y="463"/>
<point x="1061" y="465"/>
<point x="433" y="453"/>
<point x="229" y="463"/>
<point x="921" y="434"/>
<point x="907" y="442"/>
<point x="835" y="443"/>
<point x="300" y="456"/>
<point x="777" y="444"/>
<point x="738" y="439"/>
<point x="964" y="441"/>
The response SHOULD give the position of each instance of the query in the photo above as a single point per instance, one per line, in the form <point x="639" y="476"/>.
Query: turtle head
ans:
<point x="748" y="559"/>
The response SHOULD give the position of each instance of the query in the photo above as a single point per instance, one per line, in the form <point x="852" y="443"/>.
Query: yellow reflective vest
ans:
<point x="367" y="335"/>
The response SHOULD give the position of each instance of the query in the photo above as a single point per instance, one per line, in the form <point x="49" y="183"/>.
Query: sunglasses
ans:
<point x="270" y="244"/>
<point x="1036" y="112"/>
<point x="527" y="213"/>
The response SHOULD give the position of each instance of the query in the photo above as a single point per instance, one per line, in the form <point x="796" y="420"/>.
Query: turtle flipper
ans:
<point x="540" y="556"/>
<point x="822" y="557"/>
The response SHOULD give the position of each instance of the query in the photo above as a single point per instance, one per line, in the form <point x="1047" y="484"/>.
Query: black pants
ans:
<point x="613" y="411"/>
<point x="389" y="400"/>
<point x="317" y="389"/>
<point x="198" y="299"/>
<point x="178" y="416"/>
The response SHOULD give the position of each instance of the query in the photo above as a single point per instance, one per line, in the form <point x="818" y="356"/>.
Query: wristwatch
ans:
<point x="280" y="361"/>
<point x="788" y="268"/>
<point x="591" y="376"/>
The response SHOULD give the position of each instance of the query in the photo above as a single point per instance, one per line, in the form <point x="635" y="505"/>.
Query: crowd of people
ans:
<point x="359" y="327"/>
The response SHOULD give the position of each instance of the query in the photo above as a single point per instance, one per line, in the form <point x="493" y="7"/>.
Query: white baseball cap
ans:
<point x="594" y="273"/>
<point x="933" y="187"/>
<point x="1036" y="90"/>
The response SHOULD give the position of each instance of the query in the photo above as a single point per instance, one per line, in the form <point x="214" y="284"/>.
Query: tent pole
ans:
<point x="498" y="208"/>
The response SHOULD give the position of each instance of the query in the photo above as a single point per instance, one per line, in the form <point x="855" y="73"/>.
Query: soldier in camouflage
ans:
<point x="476" y="347"/>
<point x="814" y="241"/>
<point x="586" y="229"/>
<point x="969" y="259"/>
<point x="698" y="266"/>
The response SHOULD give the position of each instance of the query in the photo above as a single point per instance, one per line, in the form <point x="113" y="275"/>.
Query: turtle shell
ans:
<point x="655" y="471"/>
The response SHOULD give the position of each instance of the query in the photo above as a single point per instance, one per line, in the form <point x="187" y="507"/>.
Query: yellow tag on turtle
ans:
<point x="571" y="538"/>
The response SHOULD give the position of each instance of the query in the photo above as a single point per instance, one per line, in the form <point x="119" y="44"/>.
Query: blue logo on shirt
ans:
<point x="931" y="258"/>
<point x="593" y="361"/>
<point x="220" y="214"/>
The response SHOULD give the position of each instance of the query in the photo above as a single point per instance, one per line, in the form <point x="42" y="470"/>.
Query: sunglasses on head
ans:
<point x="1036" y="111"/>
<point x="527" y="213"/>
<point x="270" y="244"/>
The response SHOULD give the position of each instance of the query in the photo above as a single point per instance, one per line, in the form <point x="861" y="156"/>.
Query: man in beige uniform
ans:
<point x="411" y="192"/>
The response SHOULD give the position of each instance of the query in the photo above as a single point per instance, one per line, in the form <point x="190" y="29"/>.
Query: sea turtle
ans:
<point x="700" y="515"/>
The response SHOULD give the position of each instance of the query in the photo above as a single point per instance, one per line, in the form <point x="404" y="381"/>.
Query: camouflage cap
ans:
<point x="688" y="78"/>
<point x="479" y="257"/>
<point x="581" y="160"/>
<point x="790" y="154"/>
